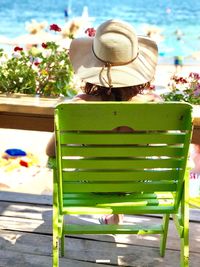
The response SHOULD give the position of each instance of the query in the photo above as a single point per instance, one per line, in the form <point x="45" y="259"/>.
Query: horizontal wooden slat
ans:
<point x="171" y="116"/>
<point x="121" y="138"/>
<point x="123" y="175"/>
<point x="107" y="197"/>
<point x="125" y="151"/>
<point x="119" y="187"/>
<point x="134" y="200"/>
<point x="112" y="229"/>
<point x="120" y="210"/>
<point x="110" y="164"/>
<point x="137" y="202"/>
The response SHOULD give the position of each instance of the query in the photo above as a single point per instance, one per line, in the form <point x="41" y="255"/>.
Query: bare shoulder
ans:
<point x="147" y="97"/>
<point x="85" y="98"/>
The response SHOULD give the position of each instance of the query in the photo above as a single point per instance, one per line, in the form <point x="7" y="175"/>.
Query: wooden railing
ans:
<point x="37" y="114"/>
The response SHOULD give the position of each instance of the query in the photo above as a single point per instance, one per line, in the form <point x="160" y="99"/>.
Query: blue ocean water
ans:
<point x="169" y="16"/>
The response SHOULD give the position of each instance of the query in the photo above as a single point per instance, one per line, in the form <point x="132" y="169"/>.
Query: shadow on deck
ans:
<point x="26" y="239"/>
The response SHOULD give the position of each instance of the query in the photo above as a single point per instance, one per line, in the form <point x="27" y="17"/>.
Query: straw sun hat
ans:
<point x="115" y="57"/>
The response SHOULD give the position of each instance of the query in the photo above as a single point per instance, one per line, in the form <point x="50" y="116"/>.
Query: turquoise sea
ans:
<point x="169" y="16"/>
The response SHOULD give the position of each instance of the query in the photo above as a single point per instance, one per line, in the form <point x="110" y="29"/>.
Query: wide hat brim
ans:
<point x="90" y="69"/>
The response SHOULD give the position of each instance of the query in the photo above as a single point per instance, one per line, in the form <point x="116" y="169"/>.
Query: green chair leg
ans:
<point x="184" y="250"/>
<point x="185" y="241"/>
<point x="185" y="233"/>
<point x="62" y="241"/>
<point x="55" y="225"/>
<point x="55" y="249"/>
<point x="163" y="239"/>
<point x="55" y="238"/>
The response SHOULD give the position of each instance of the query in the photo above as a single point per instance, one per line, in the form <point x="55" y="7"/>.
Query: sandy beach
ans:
<point x="37" y="178"/>
<point x="165" y="71"/>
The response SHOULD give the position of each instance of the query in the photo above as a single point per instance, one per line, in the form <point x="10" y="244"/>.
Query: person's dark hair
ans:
<point x="116" y="93"/>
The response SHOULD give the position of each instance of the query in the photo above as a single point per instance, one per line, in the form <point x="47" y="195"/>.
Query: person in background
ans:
<point x="114" y="65"/>
<point x="178" y="59"/>
<point x="178" y="63"/>
<point x="195" y="158"/>
<point x="66" y="13"/>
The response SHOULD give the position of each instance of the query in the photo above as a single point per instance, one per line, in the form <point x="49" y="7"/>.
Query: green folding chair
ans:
<point x="94" y="162"/>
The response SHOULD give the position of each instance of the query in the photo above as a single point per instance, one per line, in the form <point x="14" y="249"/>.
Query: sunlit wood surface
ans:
<point x="26" y="239"/>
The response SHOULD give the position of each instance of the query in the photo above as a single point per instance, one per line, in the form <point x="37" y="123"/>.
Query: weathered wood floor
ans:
<point x="26" y="239"/>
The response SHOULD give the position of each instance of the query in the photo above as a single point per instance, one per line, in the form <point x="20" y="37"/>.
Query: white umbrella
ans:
<point x="5" y="40"/>
<point x="35" y="39"/>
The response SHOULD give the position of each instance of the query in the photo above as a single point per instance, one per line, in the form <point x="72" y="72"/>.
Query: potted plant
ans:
<point x="185" y="89"/>
<point x="43" y="71"/>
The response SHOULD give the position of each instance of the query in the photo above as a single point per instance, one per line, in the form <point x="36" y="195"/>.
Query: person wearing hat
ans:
<point x="115" y="65"/>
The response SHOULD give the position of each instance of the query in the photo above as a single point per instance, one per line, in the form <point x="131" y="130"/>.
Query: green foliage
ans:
<point x="185" y="89"/>
<point x="46" y="71"/>
<point x="17" y="75"/>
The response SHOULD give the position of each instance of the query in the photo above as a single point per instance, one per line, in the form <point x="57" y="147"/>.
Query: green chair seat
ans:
<point x="92" y="203"/>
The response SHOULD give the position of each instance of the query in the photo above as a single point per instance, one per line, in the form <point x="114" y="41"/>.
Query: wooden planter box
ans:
<point x="37" y="114"/>
<point x="27" y="112"/>
<point x="196" y="123"/>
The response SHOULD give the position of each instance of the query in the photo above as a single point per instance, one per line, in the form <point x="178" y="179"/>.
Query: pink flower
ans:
<point x="197" y="90"/>
<point x="17" y="48"/>
<point x="55" y="27"/>
<point x="90" y="32"/>
<point x="194" y="75"/>
<point x="185" y="89"/>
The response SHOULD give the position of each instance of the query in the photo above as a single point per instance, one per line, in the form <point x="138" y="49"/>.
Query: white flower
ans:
<point x="62" y="62"/>
<point x="16" y="55"/>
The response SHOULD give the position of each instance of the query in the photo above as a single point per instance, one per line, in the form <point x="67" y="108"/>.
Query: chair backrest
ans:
<point x="92" y="156"/>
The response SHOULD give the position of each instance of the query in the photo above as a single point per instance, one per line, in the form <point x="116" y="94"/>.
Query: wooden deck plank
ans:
<point x="37" y="219"/>
<point x="27" y="248"/>
<point x="15" y="243"/>
<point x="41" y="226"/>
<point x="19" y="259"/>
<point x="25" y="198"/>
<point x="26" y="239"/>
